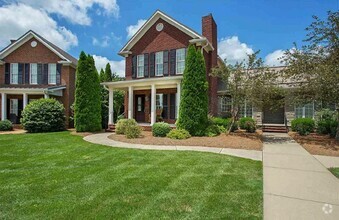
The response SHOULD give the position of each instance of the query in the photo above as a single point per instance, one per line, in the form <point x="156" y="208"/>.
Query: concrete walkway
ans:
<point x="296" y="184"/>
<point x="103" y="139"/>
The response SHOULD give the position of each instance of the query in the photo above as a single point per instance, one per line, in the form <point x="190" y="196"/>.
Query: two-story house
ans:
<point x="31" y="68"/>
<point x="155" y="62"/>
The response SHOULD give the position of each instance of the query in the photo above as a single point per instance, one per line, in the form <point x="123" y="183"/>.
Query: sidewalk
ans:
<point x="296" y="184"/>
<point x="103" y="139"/>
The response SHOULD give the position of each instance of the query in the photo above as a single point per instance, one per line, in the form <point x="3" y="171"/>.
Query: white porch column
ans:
<point x="110" y="107"/>
<point x="46" y="96"/>
<point x="3" y="106"/>
<point x="25" y="100"/>
<point x="178" y="98"/>
<point x="153" y="104"/>
<point x="130" y="102"/>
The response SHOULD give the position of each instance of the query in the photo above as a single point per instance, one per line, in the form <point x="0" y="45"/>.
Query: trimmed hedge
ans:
<point x="178" y="134"/>
<point x="212" y="131"/>
<point x="303" y="126"/>
<point x="6" y="125"/>
<point x="242" y="122"/>
<point x="123" y="124"/>
<point x="160" y="129"/>
<point x="222" y="122"/>
<point x="133" y="131"/>
<point x="43" y="115"/>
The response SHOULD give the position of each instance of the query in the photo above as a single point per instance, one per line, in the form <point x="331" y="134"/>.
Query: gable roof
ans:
<point x="29" y="35"/>
<point x="150" y="22"/>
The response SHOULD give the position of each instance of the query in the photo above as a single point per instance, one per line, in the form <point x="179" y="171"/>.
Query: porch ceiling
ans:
<point x="160" y="82"/>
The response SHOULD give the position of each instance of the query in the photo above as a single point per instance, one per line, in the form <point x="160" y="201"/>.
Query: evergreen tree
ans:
<point x="194" y="98"/>
<point x="87" y="96"/>
<point x="105" y="76"/>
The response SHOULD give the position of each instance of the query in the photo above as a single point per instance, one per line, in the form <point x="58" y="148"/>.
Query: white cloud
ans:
<point x="17" y="19"/>
<point x="104" y="42"/>
<point x="132" y="29"/>
<point x="233" y="50"/>
<point x="274" y="58"/>
<point x="116" y="66"/>
<point x="75" y="11"/>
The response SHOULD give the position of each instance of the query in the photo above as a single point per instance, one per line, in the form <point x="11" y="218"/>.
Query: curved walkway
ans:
<point x="103" y="139"/>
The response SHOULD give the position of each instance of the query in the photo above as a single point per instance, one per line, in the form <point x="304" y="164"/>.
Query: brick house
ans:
<point x="32" y="68"/>
<point x="155" y="61"/>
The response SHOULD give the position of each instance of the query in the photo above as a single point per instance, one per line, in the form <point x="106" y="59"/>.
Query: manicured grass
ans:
<point x="335" y="171"/>
<point x="60" y="176"/>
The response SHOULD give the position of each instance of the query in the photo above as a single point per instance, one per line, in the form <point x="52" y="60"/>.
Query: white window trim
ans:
<point x="179" y="61"/>
<point x="49" y="74"/>
<point x="143" y="64"/>
<point x="12" y="73"/>
<point x="161" y="63"/>
<point x="30" y="74"/>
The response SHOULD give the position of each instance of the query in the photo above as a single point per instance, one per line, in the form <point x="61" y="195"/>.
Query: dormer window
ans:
<point x="140" y="70"/>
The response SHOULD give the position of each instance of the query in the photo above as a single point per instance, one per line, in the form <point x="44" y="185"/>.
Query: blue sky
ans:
<point x="99" y="27"/>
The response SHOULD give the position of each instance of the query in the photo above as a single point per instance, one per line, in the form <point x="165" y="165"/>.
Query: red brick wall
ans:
<point x="152" y="41"/>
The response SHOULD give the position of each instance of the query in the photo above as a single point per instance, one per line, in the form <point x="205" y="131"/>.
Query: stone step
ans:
<point x="111" y="128"/>
<point x="278" y="129"/>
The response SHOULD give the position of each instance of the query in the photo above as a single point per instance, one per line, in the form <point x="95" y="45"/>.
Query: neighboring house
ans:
<point x="32" y="68"/>
<point x="155" y="62"/>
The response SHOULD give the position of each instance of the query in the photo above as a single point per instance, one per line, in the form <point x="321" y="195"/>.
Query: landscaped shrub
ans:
<point x="133" y="131"/>
<point x="250" y="126"/>
<point x="43" y="115"/>
<point x="123" y="124"/>
<point x="6" y="125"/>
<point x="178" y="134"/>
<point x="212" y="131"/>
<point x="303" y="126"/>
<point x="160" y="129"/>
<point x="222" y="129"/>
<point x="221" y="122"/>
<point x="242" y="122"/>
<point x="235" y="126"/>
<point x="326" y="122"/>
<point x="333" y="128"/>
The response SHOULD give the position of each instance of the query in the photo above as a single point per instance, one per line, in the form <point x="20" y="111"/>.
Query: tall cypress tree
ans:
<point x="193" y="108"/>
<point x="87" y="108"/>
<point x="105" y="76"/>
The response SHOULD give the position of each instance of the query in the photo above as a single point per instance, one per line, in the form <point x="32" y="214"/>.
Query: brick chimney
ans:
<point x="209" y="30"/>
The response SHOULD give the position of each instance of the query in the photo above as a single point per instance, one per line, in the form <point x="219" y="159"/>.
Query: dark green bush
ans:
<point x="178" y="134"/>
<point x="303" y="126"/>
<point x="212" y="131"/>
<point x="123" y="124"/>
<point x="43" y="115"/>
<point x="333" y="128"/>
<point x="160" y="129"/>
<point x="6" y="125"/>
<point x="326" y="122"/>
<point x="221" y="122"/>
<point x="250" y="126"/>
<point x="242" y="122"/>
<point x="324" y="126"/>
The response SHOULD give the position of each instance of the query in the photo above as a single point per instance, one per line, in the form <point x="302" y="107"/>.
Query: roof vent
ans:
<point x="13" y="41"/>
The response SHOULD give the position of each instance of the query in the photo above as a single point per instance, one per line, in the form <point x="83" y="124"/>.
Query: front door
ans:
<point x="276" y="116"/>
<point x="139" y="108"/>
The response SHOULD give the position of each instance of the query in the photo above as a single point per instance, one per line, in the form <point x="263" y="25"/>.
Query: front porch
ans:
<point x="148" y="100"/>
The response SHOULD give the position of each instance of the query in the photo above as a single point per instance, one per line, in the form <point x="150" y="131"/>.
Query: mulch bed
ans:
<point x="317" y="144"/>
<point x="239" y="140"/>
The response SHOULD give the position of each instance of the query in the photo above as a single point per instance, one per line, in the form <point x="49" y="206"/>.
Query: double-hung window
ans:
<point x="306" y="111"/>
<point x="159" y="63"/>
<point x="140" y="69"/>
<point x="159" y="101"/>
<point x="225" y="104"/>
<point x="33" y="75"/>
<point x="52" y="73"/>
<point x="13" y="108"/>
<point x="180" y="61"/>
<point x="245" y="110"/>
<point x="14" y="73"/>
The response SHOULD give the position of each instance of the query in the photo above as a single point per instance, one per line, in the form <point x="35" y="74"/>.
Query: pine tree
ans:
<point x="87" y="96"/>
<point x="194" y="98"/>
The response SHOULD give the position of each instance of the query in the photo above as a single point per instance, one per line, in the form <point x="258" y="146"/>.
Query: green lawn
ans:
<point x="335" y="171"/>
<point x="60" y="176"/>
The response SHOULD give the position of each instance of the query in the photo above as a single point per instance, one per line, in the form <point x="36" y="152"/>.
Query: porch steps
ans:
<point x="111" y="128"/>
<point x="276" y="129"/>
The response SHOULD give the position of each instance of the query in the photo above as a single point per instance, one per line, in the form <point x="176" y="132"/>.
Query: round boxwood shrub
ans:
<point x="160" y="129"/>
<point x="221" y="122"/>
<point x="250" y="126"/>
<point x="242" y="122"/>
<point x="43" y="115"/>
<point x="123" y="124"/>
<point x="212" y="131"/>
<point x="6" y="125"/>
<point x="178" y="134"/>
<point x="133" y="131"/>
<point x="303" y="126"/>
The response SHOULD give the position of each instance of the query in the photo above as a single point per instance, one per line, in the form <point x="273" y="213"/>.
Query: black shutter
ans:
<point x="134" y="66"/>
<point x="172" y="62"/>
<point x="45" y="74"/>
<point x="165" y="63"/>
<point x="165" y="105"/>
<point x="39" y="65"/>
<point x="172" y="106"/>
<point x="7" y="67"/>
<point x="146" y="64"/>
<point x="27" y="73"/>
<point x="151" y="64"/>
<point x="20" y="72"/>
<point x="58" y="74"/>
